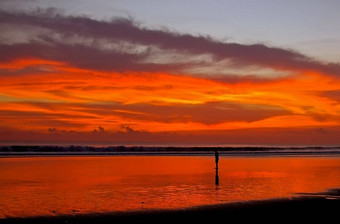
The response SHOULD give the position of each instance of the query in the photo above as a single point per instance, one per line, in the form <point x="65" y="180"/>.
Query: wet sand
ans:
<point x="307" y="207"/>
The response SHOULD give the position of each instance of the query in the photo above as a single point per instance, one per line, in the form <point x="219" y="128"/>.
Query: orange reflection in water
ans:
<point x="64" y="185"/>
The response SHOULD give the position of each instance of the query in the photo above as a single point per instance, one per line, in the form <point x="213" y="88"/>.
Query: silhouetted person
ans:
<point x="216" y="159"/>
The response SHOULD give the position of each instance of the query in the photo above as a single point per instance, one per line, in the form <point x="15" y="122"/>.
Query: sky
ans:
<point x="170" y="72"/>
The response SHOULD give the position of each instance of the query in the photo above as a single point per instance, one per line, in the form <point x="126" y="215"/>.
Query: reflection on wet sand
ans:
<point x="217" y="179"/>
<point x="32" y="186"/>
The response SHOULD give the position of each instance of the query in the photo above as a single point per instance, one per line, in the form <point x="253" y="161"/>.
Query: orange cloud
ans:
<point x="77" y="99"/>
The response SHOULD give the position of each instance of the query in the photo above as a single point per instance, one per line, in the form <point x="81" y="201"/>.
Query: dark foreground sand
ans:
<point x="323" y="207"/>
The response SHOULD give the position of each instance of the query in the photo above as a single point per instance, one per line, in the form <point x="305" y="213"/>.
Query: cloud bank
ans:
<point x="124" y="45"/>
<point x="75" y="78"/>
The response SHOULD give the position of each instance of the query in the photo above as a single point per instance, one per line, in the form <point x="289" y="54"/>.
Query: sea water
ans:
<point x="48" y="186"/>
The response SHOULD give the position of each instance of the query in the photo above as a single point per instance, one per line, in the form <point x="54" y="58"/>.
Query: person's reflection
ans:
<point x="217" y="179"/>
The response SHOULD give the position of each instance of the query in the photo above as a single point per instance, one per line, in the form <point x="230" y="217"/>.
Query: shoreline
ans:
<point x="306" y="206"/>
<point x="287" y="153"/>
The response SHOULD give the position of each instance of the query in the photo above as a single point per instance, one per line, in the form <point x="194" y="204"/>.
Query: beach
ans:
<point x="309" y="207"/>
<point x="109" y="189"/>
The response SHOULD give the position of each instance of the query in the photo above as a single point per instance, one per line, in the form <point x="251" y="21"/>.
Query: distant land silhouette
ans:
<point x="108" y="150"/>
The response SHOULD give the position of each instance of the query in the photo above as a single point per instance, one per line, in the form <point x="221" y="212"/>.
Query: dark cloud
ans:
<point x="40" y="114"/>
<point x="207" y="113"/>
<point x="52" y="130"/>
<point x="79" y="56"/>
<point x="129" y="130"/>
<point x="332" y="94"/>
<point x="121" y="29"/>
<point x="23" y="71"/>
<point x="41" y="118"/>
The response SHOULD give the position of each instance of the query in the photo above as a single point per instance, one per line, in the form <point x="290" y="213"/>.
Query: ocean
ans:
<point x="49" y="185"/>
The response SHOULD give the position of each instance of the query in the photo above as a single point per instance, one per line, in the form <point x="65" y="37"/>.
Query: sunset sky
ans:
<point x="170" y="72"/>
